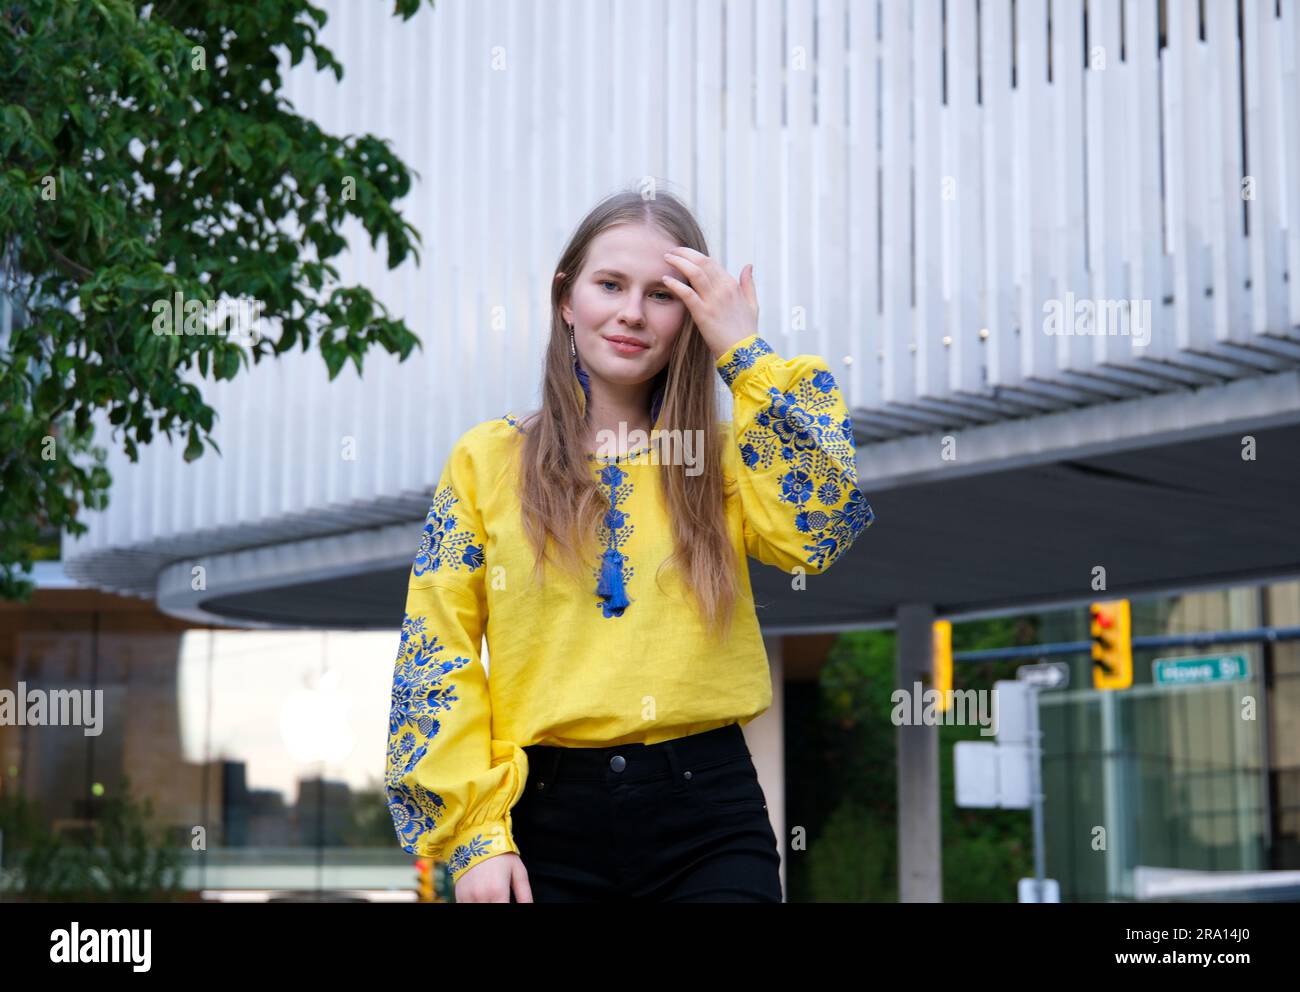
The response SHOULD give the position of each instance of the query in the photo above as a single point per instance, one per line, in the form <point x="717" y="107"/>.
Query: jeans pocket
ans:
<point x="730" y="785"/>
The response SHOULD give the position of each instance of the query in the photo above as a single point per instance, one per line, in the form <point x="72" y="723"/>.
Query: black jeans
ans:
<point x="683" y="820"/>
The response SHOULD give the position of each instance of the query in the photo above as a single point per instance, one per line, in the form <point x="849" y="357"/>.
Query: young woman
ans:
<point x="603" y="759"/>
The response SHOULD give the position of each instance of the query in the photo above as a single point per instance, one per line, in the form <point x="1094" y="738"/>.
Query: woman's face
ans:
<point x="620" y="293"/>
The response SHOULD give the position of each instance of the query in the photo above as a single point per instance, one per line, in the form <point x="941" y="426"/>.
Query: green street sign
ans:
<point x="1215" y="668"/>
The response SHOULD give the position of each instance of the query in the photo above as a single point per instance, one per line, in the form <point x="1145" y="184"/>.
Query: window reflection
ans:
<point x="259" y="753"/>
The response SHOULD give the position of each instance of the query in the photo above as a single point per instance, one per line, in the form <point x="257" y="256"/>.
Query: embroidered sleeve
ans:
<point x="450" y="786"/>
<point x="796" y="472"/>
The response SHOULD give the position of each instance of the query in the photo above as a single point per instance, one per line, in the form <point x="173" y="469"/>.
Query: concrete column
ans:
<point x="919" y="856"/>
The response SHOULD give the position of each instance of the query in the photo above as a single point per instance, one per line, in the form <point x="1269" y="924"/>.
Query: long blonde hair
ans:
<point x="560" y="499"/>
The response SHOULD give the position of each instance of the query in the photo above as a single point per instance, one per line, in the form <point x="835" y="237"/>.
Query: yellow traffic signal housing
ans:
<point x="1112" y="645"/>
<point x="942" y="669"/>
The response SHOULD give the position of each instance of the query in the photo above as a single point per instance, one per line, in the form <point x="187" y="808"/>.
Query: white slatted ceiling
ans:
<point x="598" y="94"/>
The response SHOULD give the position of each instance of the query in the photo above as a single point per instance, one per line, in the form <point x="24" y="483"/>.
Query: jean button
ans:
<point x="618" y="762"/>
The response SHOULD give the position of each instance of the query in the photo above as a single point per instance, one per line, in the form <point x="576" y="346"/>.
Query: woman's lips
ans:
<point x="626" y="349"/>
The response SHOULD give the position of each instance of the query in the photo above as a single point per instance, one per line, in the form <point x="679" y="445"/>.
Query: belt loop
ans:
<point x="554" y="770"/>
<point x="674" y="764"/>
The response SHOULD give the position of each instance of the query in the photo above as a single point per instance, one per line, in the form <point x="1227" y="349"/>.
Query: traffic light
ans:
<point x="942" y="668"/>
<point x="424" y="879"/>
<point x="1112" y="645"/>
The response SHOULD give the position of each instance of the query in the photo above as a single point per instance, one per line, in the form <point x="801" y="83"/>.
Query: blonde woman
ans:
<point x="600" y="545"/>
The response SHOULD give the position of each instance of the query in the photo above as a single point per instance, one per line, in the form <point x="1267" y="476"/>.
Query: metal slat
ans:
<point x="897" y="371"/>
<point x="1001" y="349"/>
<point x="1225" y="214"/>
<point x="864" y="319"/>
<point x="964" y="251"/>
<point x="931" y="363"/>
<point x="797" y="207"/>
<point x="1069" y="262"/>
<point x="1290" y="97"/>
<point x="767" y="253"/>
<point x="1035" y="175"/>
<point x="1142" y="238"/>
<point x="1264" y="211"/>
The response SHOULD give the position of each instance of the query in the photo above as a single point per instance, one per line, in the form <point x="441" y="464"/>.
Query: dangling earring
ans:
<point x="578" y="370"/>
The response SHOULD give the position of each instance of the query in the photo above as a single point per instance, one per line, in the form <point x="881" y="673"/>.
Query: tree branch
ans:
<point x="75" y="268"/>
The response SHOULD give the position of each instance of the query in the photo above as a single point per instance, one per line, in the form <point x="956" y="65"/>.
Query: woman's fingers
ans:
<point x="688" y="295"/>
<point x="696" y="272"/>
<point x="747" y="284"/>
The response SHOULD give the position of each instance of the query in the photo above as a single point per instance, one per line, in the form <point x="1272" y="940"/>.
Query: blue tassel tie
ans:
<point x="611" y="581"/>
<point x="583" y="380"/>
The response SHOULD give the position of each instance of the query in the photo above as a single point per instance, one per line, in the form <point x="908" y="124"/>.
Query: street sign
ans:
<point x="1015" y="776"/>
<point x="975" y="774"/>
<point x="1050" y="675"/>
<point x="1213" y="668"/>
<point x="1012" y="708"/>
<point x="992" y="776"/>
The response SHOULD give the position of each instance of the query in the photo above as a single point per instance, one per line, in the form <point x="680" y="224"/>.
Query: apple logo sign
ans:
<point x="314" y="722"/>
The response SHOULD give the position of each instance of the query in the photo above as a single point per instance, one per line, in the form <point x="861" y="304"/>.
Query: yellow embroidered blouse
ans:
<point x="618" y="659"/>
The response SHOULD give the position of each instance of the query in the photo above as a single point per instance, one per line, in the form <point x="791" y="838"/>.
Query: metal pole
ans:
<point x="1110" y="770"/>
<point x="1036" y="788"/>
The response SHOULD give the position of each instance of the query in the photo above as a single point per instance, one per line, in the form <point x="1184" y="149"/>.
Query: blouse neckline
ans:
<point x="511" y="419"/>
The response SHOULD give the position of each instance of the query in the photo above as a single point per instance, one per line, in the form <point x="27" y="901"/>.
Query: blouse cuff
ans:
<point x="476" y="844"/>
<point x="746" y="354"/>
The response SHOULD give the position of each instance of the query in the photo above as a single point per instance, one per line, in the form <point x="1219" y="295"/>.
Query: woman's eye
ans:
<point x="667" y="296"/>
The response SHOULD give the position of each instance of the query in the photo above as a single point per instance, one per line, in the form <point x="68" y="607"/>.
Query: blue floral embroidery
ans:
<point x="465" y="853"/>
<point x="744" y="358"/>
<point x="800" y="428"/>
<point x="615" y="570"/>
<point x="441" y="543"/>
<point x="419" y="693"/>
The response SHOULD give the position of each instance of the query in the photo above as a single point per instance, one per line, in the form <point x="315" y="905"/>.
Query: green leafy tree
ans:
<point x="852" y="851"/>
<point x="146" y="151"/>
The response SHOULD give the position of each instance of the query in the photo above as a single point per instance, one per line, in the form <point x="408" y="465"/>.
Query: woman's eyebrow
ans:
<point x="618" y="275"/>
